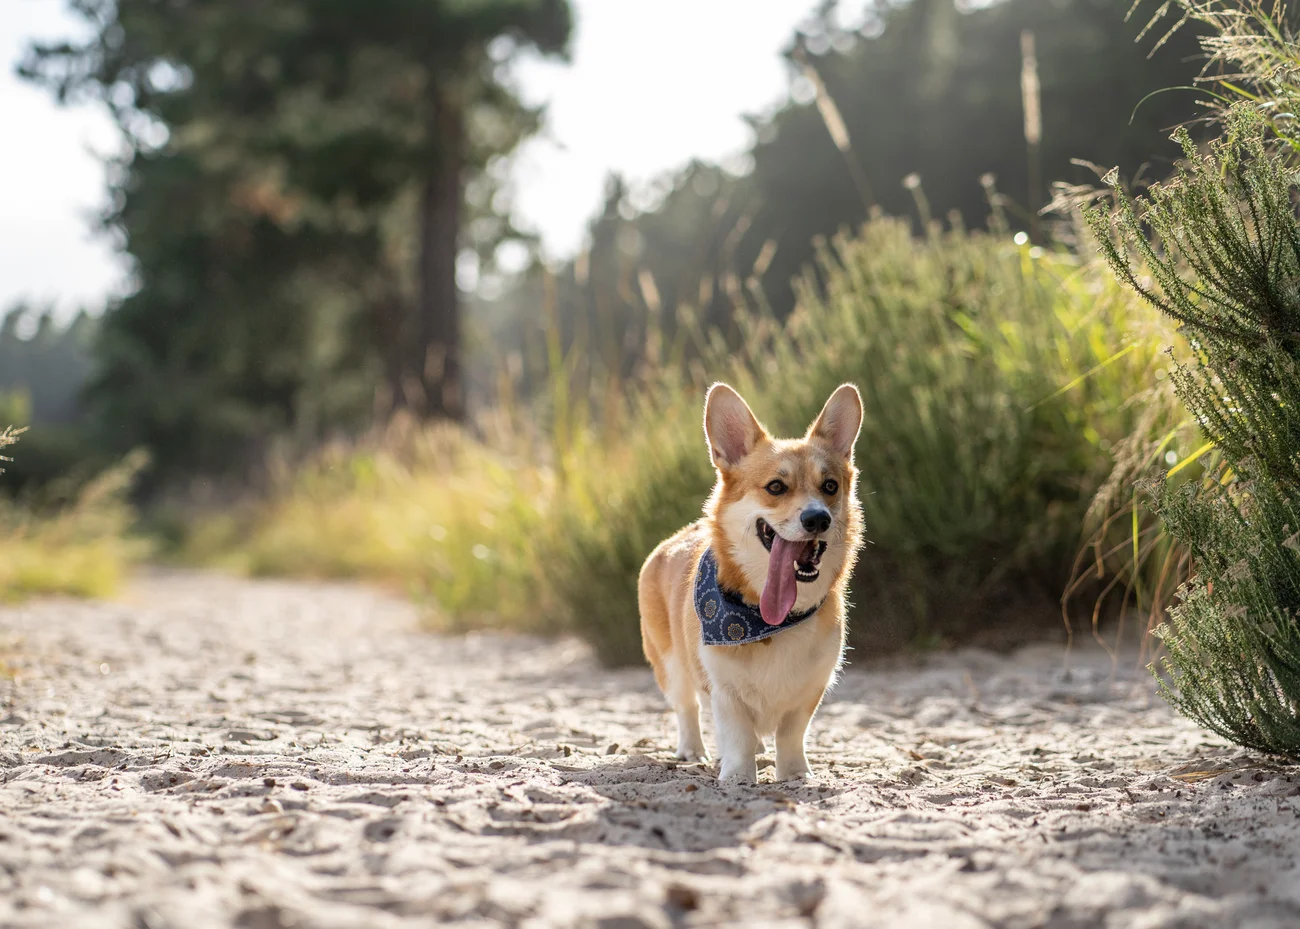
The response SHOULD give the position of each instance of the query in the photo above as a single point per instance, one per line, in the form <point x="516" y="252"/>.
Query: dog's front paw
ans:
<point x="796" y="770"/>
<point x="691" y="754"/>
<point x="738" y="775"/>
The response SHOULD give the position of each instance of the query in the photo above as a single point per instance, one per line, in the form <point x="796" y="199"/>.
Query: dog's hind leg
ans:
<point x="690" y="741"/>
<point x="681" y="694"/>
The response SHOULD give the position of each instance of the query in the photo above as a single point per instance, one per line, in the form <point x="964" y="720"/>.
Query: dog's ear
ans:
<point x="730" y="427"/>
<point x="840" y="421"/>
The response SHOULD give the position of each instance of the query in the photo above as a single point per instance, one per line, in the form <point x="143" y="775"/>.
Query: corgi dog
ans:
<point x="744" y="608"/>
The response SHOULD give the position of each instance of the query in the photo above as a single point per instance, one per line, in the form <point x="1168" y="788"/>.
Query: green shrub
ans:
<point x="633" y="498"/>
<point x="1142" y="562"/>
<point x="1221" y="244"/>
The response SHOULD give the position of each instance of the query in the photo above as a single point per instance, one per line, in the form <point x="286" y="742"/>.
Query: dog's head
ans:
<point x="784" y="511"/>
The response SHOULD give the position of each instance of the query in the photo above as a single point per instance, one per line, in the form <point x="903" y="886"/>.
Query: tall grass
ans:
<point x="425" y="509"/>
<point x="995" y="388"/>
<point x="1251" y="58"/>
<point x="80" y="545"/>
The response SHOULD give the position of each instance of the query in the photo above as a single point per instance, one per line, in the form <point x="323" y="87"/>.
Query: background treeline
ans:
<point x="301" y="186"/>
<point x="931" y="102"/>
<point x="44" y="367"/>
<point x="299" y="182"/>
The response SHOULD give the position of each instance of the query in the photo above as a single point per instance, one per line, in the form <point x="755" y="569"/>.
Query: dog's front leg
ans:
<point x="791" y="762"/>
<point x="737" y="741"/>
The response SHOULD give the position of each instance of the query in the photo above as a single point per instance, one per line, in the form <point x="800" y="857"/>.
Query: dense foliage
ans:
<point x="1221" y="243"/>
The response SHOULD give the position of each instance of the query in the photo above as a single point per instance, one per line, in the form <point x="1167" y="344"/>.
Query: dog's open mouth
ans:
<point x="806" y="559"/>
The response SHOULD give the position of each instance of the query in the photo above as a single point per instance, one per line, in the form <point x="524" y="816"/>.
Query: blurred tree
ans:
<point x="300" y="182"/>
<point x="49" y="364"/>
<point x="44" y="366"/>
<point x="933" y="97"/>
<point x="927" y="95"/>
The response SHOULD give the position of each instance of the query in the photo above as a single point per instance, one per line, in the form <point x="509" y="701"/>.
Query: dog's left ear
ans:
<point x="840" y="421"/>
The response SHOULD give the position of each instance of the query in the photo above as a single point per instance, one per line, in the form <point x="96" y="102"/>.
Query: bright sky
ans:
<point x="652" y="84"/>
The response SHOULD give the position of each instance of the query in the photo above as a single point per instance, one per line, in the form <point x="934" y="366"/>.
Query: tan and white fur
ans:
<point x="777" y="684"/>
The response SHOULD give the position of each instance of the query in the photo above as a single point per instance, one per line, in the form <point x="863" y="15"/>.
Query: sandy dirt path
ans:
<point x="212" y="753"/>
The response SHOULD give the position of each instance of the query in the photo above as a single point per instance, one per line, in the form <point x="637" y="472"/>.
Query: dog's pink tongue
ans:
<point x="782" y="587"/>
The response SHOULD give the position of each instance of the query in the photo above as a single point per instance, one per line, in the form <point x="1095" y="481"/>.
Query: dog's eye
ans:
<point x="830" y="487"/>
<point x="776" y="488"/>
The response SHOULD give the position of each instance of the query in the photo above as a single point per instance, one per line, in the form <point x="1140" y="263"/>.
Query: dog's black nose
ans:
<point x="815" y="519"/>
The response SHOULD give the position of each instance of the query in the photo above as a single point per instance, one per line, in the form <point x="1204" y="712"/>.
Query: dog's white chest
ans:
<point x="774" y="679"/>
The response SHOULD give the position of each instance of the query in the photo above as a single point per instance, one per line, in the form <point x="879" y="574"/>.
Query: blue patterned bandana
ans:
<point x="725" y="617"/>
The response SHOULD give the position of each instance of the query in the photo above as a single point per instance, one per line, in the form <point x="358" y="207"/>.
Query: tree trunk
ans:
<point x="437" y="368"/>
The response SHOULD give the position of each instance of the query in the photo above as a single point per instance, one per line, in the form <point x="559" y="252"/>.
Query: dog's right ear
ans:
<point x="730" y="427"/>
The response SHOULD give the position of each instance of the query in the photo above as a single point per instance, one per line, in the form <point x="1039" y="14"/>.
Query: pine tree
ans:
<point x="301" y="179"/>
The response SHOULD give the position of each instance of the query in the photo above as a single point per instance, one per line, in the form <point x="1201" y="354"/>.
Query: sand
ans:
<point x="211" y="752"/>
